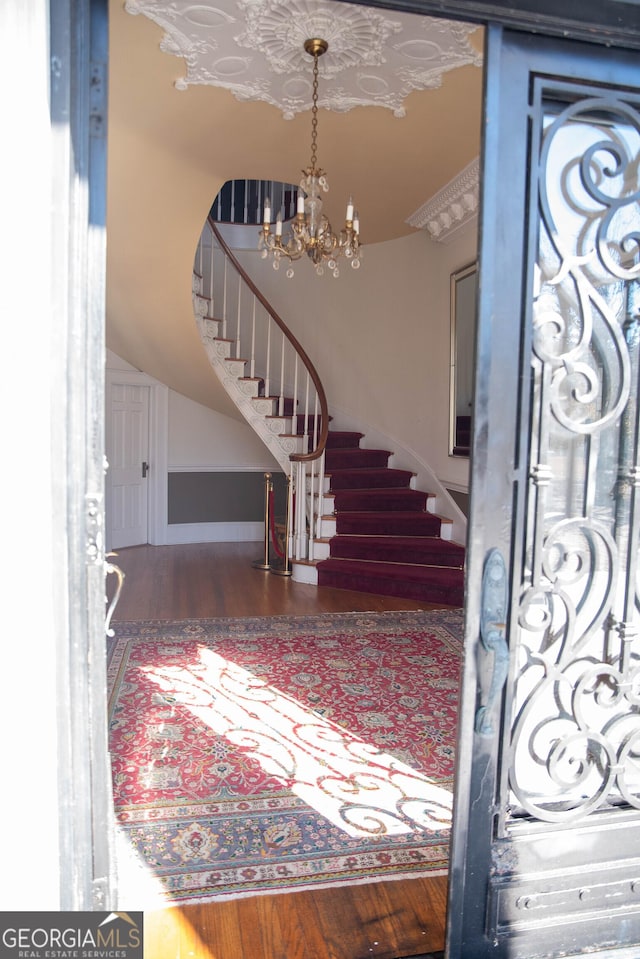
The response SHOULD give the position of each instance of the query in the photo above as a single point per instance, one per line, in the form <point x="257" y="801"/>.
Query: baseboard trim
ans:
<point x="182" y="533"/>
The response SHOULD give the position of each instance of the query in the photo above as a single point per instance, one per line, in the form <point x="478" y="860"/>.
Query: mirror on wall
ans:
<point x="464" y="294"/>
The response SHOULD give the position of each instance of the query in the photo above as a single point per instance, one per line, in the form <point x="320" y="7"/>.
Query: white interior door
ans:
<point x="127" y="443"/>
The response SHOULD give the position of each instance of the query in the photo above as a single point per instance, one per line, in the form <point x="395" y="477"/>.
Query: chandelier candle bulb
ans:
<point x="267" y="212"/>
<point x="350" y="210"/>
<point x="300" y="207"/>
<point x="279" y="225"/>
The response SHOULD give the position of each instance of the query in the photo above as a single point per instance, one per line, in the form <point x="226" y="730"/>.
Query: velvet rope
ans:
<point x="274" y="538"/>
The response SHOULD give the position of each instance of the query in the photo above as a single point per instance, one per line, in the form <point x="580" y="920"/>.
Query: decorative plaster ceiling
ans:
<point x="254" y="48"/>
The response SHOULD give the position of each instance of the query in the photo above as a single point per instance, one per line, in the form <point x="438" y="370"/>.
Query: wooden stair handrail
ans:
<point x="324" y="412"/>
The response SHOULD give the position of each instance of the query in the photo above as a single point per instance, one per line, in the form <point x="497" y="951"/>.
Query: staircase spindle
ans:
<point x="224" y="299"/>
<point x="295" y="392"/>
<point x="301" y="400"/>
<point x="253" y="341"/>
<point x="312" y="506"/>
<point x="238" y="318"/>
<point x="281" y="396"/>
<point x="301" y="512"/>
<point x="267" y="378"/>
<point x="321" y="501"/>
<point x="306" y="414"/>
<point x="212" y="311"/>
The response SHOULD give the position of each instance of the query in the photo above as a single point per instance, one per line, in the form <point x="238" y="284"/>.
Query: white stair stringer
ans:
<point x="275" y="432"/>
<point x="271" y="381"/>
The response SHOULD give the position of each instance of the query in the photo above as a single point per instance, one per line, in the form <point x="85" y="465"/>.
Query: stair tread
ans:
<point x="276" y="399"/>
<point x="339" y="434"/>
<point x="355" y="458"/>
<point x="407" y="522"/>
<point x="369" y="477"/>
<point x="394" y="499"/>
<point x="405" y="514"/>
<point x="415" y="550"/>
<point x="361" y="449"/>
<point x="382" y="569"/>
<point x="370" y="494"/>
<point x="396" y="539"/>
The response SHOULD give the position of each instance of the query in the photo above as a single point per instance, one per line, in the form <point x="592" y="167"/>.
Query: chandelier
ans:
<point x="311" y="232"/>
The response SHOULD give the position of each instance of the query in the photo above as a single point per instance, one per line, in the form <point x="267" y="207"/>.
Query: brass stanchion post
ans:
<point x="268" y="486"/>
<point x="285" y="570"/>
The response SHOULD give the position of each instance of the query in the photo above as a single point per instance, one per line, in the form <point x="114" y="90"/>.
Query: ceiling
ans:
<point x="399" y="94"/>
<point x="209" y="91"/>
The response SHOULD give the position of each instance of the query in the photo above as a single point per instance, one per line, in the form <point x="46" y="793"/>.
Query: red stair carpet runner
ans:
<point x="386" y="541"/>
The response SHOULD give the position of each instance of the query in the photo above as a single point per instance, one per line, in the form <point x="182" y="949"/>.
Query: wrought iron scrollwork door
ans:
<point x="546" y="850"/>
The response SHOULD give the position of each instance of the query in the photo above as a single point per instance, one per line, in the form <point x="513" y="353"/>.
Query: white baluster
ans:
<point x="316" y="506"/>
<point x="281" y="398"/>
<point x="291" y="510"/>
<point x="212" y="311"/>
<point x="312" y="506"/>
<point x="224" y="299"/>
<point x="267" y="382"/>
<point x="306" y="415"/>
<point x="253" y="341"/>
<point x="301" y="510"/>
<point x="295" y="396"/>
<point x="320" y="505"/>
<point x="238" y="317"/>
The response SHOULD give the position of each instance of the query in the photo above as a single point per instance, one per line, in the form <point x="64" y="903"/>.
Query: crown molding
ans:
<point x="451" y="208"/>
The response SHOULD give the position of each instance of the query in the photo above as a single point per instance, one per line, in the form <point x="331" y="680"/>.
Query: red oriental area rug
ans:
<point x="275" y="754"/>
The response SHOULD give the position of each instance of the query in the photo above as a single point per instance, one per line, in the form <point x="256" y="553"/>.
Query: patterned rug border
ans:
<point x="448" y="623"/>
<point x="449" y="618"/>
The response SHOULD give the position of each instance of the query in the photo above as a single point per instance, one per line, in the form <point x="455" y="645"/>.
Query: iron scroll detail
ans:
<point x="574" y="746"/>
<point x="492" y="635"/>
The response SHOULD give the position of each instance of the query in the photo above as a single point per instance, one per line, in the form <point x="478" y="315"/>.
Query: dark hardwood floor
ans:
<point x="384" y="920"/>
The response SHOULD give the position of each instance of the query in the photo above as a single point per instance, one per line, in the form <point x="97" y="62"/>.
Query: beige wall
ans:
<point x="200" y="438"/>
<point x="380" y="338"/>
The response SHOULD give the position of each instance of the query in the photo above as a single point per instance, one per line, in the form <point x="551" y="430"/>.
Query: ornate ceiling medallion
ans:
<point x="254" y="48"/>
<point x="278" y="29"/>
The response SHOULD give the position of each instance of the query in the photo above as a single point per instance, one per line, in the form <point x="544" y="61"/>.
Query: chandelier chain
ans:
<point x="314" y="114"/>
<point x="310" y="232"/>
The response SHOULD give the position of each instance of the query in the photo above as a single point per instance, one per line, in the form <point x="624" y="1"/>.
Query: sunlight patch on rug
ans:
<point x="359" y="788"/>
<point x="266" y="755"/>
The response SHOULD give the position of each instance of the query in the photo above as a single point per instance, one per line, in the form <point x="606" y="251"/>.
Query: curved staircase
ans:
<point x="357" y="523"/>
